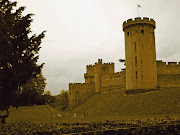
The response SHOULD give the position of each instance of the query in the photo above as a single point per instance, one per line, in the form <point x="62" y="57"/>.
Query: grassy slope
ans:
<point x="38" y="113"/>
<point x="110" y="105"/>
<point x="159" y="102"/>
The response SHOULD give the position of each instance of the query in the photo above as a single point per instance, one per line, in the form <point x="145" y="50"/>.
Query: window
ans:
<point x="134" y="46"/>
<point x="135" y="60"/>
<point x="142" y="31"/>
<point x="127" y="33"/>
<point x="136" y="75"/>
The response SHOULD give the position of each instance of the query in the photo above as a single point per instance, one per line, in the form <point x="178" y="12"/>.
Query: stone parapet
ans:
<point x="167" y="64"/>
<point x="168" y="67"/>
<point x="138" y="21"/>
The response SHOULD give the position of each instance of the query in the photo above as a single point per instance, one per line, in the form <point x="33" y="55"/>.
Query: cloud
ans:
<point x="168" y="50"/>
<point x="81" y="31"/>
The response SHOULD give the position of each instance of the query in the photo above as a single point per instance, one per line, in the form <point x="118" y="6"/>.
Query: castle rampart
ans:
<point x="115" y="81"/>
<point x="142" y="70"/>
<point x="138" y="20"/>
<point x="168" y="74"/>
<point x="78" y="92"/>
<point x="168" y="67"/>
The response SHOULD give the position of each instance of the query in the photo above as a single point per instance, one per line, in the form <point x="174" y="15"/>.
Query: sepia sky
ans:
<point x="79" y="32"/>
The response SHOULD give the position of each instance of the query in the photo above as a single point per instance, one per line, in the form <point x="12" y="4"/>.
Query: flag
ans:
<point x="139" y="6"/>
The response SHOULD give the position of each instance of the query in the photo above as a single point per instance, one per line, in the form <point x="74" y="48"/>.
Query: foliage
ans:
<point x="47" y="97"/>
<point x="47" y="93"/>
<point x="62" y="101"/>
<point x="63" y="98"/>
<point x="18" y="51"/>
<point x="35" y="85"/>
<point x="31" y="92"/>
<point x="122" y="60"/>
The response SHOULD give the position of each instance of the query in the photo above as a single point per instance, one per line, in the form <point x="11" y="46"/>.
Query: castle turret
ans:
<point x="97" y="77"/>
<point x="141" y="69"/>
<point x="111" y="68"/>
<point x="89" y="75"/>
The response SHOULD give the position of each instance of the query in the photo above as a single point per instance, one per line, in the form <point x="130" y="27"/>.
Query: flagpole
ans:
<point x="137" y="11"/>
<point x="138" y="6"/>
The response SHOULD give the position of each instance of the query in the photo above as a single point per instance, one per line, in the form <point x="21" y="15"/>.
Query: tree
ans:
<point x="123" y="61"/>
<point x="18" y="51"/>
<point x="48" y="98"/>
<point x="47" y="93"/>
<point x="31" y="91"/>
<point x="37" y="85"/>
<point x="62" y="100"/>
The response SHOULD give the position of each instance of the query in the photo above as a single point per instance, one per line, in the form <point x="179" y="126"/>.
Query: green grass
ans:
<point x="38" y="113"/>
<point x="107" y="106"/>
<point x="154" y="103"/>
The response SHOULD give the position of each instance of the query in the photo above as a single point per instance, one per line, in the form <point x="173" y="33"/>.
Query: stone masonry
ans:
<point x="142" y="70"/>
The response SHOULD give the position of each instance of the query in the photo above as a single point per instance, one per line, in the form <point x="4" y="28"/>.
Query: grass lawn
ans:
<point x="159" y="102"/>
<point x="40" y="114"/>
<point x="107" y="106"/>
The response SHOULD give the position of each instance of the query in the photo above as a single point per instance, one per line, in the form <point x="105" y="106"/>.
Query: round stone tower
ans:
<point x="141" y="69"/>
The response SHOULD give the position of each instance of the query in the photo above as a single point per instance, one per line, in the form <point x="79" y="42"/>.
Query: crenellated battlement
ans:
<point x="139" y="20"/>
<point x="167" y="64"/>
<point x="107" y="68"/>
<point x="168" y="68"/>
<point x="173" y="64"/>
<point x="139" y="43"/>
<point x="90" y="69"/>
<point x="76" y="83"/>
<point x="100" y="62"/>
<point x="109" y="64"/>
<point x="79" y="84"/>
<point x="90" y="66"/>
<point x="73" y="84"/>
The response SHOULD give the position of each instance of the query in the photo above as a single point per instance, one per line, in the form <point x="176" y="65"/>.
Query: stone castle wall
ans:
<point x="98" y="78"/>
<point x="89" y="76"/>
<point x="168" y="74"/>
<point x="115" y="81"/>
<point x="78" y="92"/>
<point x="142" y="70"/>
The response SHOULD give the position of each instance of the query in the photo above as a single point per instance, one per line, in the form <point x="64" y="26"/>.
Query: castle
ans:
<point x="143" y="71"/>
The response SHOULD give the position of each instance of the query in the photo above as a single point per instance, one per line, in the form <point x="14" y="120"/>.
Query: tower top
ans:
<point x="138" y="21"/>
